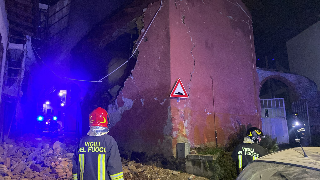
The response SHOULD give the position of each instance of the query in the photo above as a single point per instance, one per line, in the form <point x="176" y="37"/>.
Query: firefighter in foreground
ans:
<point x="97" y="155"/>
<point x="249" y="150"/>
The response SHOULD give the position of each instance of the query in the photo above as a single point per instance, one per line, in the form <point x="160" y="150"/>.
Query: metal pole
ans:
<point x="308" y="122"/>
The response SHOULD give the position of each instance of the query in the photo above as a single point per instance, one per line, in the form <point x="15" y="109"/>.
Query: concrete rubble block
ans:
<point x="3" y="170"/>
<point x="2" y="160"/>
<point x="29" y="175"/>
<point x="175" y="172"/>
<point x="35" y="168"/>
<point x="1" y="150"/>
<point x="19" y="168"/>
<point x="69" y="155"/>
<point x="7" y="162"/>
<point x="200" y="164"/>
<point x="37" y="178"/>
<point x="64" y="163"/>
<point x="57" y="147"/>
<point x="125" y="169"/>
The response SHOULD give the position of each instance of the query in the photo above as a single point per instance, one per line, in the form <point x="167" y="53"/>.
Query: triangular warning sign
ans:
<point x="178" y="90"/>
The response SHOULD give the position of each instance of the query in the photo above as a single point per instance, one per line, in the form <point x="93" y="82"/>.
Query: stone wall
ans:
<point x="303" y="87"/>
<point x="209" y="45"/>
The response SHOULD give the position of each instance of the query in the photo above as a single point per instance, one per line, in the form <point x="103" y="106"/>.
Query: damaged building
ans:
<point x="127" y="56"/>
<point x="208" y="45"/>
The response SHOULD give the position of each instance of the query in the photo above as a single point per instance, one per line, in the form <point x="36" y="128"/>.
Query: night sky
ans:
<point x="277" y="21"/>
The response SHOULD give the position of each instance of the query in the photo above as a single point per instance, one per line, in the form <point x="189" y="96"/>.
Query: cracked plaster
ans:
<point x="222" y="72"/>
<point x="115" y="112"/>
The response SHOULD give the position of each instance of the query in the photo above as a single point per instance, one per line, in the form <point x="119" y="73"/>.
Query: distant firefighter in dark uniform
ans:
<point x="299" y="131"/>
<point x="249" y="150"/>
<point x="97" y="156"/>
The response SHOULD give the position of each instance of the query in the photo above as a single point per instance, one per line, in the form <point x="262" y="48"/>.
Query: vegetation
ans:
<point x="224" y="167"/>
<point x="209" y="150"/>
<point x="269" y="144"/>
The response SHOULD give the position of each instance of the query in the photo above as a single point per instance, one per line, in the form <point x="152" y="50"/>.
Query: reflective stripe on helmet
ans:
<point x="258" y="132"/>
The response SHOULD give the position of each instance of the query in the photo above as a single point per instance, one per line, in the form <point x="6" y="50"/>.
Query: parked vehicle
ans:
<point x="47" y="124"/>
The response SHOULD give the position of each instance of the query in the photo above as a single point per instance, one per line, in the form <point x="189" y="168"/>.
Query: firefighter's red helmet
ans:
<point x="99" y="117"/>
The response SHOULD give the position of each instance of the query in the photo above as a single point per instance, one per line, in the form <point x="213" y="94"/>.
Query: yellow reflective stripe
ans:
<point x="81" y="163"/>
<point x="240" y="161"/>
<point x="101" y="167"/>
<point x="118" y="176"/>
<point x="75" y="176"/>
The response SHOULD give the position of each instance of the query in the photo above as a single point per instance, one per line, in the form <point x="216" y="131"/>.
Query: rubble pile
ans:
<point x="51" y="159"/>
<point x="138" y="171"/>
<point x="37" y="159"/>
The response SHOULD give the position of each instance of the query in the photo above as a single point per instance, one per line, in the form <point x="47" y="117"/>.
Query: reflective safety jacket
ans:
<point x="245" y="153"/>
<point x="97" y="158"/>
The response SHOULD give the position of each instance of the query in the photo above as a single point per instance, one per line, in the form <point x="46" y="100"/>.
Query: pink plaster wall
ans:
<point x="147" y="124"/>
<point x="212" y="52"/>
<point x="209" y="45"/>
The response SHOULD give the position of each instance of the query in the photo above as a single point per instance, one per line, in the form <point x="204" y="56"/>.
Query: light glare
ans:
<point x="40" y="118"/>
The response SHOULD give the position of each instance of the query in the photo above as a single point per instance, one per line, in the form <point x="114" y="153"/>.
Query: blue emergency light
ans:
<point x="40" y="118"/>
<point x="55" y="118"/>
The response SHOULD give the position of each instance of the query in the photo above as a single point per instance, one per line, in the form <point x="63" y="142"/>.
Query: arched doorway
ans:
<point x="278" y="87"/>
<point x="291" y="88"/>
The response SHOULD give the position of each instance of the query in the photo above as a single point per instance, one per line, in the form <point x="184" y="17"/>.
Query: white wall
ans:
<point x="304" y="53"/>
<point x="4" y="33"/>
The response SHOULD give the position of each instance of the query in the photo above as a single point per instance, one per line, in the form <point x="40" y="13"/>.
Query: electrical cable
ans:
<point x="137" y="44"/>
<point x="133" y="53"/>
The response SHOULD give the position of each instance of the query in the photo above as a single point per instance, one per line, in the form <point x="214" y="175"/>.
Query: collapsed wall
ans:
<point x="209" y="46"/>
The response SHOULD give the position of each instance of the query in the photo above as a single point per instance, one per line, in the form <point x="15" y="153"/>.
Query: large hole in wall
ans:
<point x="100" y="53"/>
<point x="93" y="62"/>
<point x="120" y="50"/>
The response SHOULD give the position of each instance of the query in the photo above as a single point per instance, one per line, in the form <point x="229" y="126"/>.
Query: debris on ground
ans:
<point x="51" y="159"/>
